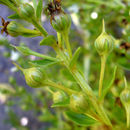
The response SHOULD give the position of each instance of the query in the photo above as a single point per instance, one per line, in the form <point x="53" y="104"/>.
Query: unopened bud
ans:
<point x="104" y="44"/>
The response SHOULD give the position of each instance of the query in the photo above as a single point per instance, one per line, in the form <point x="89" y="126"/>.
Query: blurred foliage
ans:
<point x="84" y="31"/>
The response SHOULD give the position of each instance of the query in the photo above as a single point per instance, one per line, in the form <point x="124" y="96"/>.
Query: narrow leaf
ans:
<point x="23" y="49"/>
<point x="14" y="16"/>
<point x="75" y="57"/>
<point x="39" y="9"/>
<point x="43" y="63"/>
<point x="27" y="51"/>
<point x="124" y="63"/>
<point x="64" y="103"/>
<point x="34" y="4"/>
<point x="81" y="119"/>
<point x="67" y="75"/>
<point x="48" y="41"/>
<point x="108" y="87"/>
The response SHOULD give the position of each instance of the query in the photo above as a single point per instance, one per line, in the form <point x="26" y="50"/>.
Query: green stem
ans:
<point x="20" y="68"/>
<point x="11" y="6"/>
<point x="76" y="74"/>
<point x="85" y="88"/>
<point x="15" y="2"/>
<point x="92" y="116"/>
<point x="103" y="28"/>
<point x="49" y="90"/>
<point x="66" y="38"/>
<point x="104" y="115"/>
<point x="39" y="27"/>
<point x="60" y="122"/>
<point x="103" y="62"/>
<point x="61" y="87"/>
<point x="128" y="116"/>
<point x="87" y="62"/>
<point x="81" y="81"/>
<point x="59" y="39"/>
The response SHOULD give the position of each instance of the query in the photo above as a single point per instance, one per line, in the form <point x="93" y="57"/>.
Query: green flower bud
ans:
<point x="26" y="11"/>
<point x="34" y="77"/>
<point x="104" y="44"/>
<point x="15" y="29"/>
<point x="78" y="103"/>
<point x="59" y="97"/>
<point x="61" y="22"/>
<point x="125" y="99"/>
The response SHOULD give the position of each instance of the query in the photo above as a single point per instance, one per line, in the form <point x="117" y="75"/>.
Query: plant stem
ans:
<point x="128" y="115"/>
<point x="20" y="68"/>
<point x="87" y="63"/>
<point x="60" y="122"/>
<point x="39" y="27"/>
<point x="92" y="116"/>
<point x="86" y="89"/>
<point x="61" y="87"/>
<point x="103" y="62"/>
<point x="66" y="38"/>
<point x="76" y="74"/>
<point x="59" y="39"/>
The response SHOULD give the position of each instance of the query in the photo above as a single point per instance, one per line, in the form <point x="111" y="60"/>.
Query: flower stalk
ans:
<point x="50" y="83"/>
<point x="85" y="88"/>
<point x="67" y="43"/>
<point x="39" y="27"/>
<point x="103" y="62"/>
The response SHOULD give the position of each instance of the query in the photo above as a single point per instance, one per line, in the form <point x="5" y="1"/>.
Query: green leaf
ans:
<point x="27" y="51"/>
<point x="48" y="41"/>
<point x="125" y="63"/>
<point x="43" y="63"/>
<point x="67" y="75"/>
<point x="34" y="4"/>
<point x="64" y="103"/>
<point x="24" y="50"/>
<point x="75" y="57"/>
<point x="81" y="119"/>
<point x="31" y="33"/>
<point x="14" y="16"/>
<point x="39" y="9"/>
<point x="126" y="66"/>
<point x="108" y="87"/>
